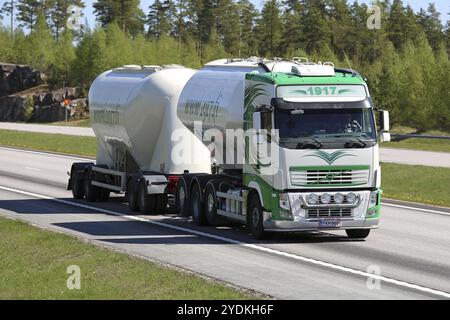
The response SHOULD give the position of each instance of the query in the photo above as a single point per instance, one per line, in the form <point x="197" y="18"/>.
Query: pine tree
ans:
<point x="91" y="57"/>
<point x="41" y="45"/>
<point x="213" y="49"/>
<point x="269" y="29"/>
<point x="8" y="8"/>
<point x="292" y="21"/>
<point x="160" y="18"/>
<point x="395" y="24"/>
<point x="227" y="24"/>
<point x="64" y="58"/>
<point x="126" y="13"/>
<point x="181" y="14"/>
<point x="247" y="15"/>
<point x="431" y="24"/>
<point x="27" y="13"/>
<point x="315" y="27"/>
<point x="340" y="21"/>
<point x="6" y="46"/>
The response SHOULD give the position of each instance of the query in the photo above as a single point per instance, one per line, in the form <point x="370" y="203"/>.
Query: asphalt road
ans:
<point x="391" y="155"/>
<point x="408" y="256"/>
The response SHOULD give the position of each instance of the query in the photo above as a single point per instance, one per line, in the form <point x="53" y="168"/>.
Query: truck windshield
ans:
<point x="325" y="128"/>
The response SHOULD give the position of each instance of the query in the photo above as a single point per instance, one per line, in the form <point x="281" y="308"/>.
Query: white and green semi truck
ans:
<point x="280" y="146"/>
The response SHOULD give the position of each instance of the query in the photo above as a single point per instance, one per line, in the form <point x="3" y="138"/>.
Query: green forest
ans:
<point x="405" y="61"/>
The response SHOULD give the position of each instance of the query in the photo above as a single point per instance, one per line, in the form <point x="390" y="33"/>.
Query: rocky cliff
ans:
<point x="24" y="96"/>
<point x="15" y="78"/>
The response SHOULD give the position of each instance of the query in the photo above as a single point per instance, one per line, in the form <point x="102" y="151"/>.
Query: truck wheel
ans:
<point x="132" y="197"/>
<point x="104" y="195"/>
<point x="255" y="218"/>
<point x="77" y="187"/>
<point x="211" y="206"/>
<point x="161" y="203"/>
<point x="198" y="214"/>
<point x="181" y="199"/>
<point x="91" y="193"/>
<point x="147" y="202"/>
<point x="357" y="233"/>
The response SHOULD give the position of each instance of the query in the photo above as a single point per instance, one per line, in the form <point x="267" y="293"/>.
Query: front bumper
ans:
<point x="362" y="217"/>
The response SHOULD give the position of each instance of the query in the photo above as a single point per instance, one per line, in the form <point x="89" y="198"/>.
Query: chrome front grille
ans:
<point x="329" y="213"/>
<point x="329" y="177"/>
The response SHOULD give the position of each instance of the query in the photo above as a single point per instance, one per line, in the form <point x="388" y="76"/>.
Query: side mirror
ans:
<point x="384" y="121"/>
<point x="385" y="137"/>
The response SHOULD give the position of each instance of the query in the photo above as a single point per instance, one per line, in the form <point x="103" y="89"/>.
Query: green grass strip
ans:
<point x="85" y="146"/>
<point x="34" y="262"/>
<point x="422" y="184"/>
<point x="420" y="144"/>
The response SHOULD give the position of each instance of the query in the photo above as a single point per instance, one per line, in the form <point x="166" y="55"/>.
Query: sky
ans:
<point x="443" y="6"/>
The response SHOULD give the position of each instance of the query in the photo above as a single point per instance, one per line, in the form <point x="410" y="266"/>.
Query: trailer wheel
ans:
<point x="77" y="186"/>
<point x="198" y="214"/>
<point x="357" y="233"/>
<point x="147" y="203"/>
<point x="91" y="193"/>
<point x="181" y="199"/>
<point x="211" y="206"/>
<point x="132" y="196"/>
<point x="161" y="203"/>
<point x="255" y="218"/>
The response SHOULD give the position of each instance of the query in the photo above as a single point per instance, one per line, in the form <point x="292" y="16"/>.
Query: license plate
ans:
<point x="329" y="223"/>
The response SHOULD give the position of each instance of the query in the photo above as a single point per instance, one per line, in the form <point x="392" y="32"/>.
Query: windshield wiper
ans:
<point x="308" y="143"/>
<point x="358" y="140"/>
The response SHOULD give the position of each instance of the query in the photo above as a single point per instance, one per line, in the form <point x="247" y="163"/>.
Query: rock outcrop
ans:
<point x="40" y="105"/>
<point x="24" y="96"/>
<point x="15" y="78"/>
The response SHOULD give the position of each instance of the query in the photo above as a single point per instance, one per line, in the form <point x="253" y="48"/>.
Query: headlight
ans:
<point x="312" y="198"/>
<point x="284" y="201"/>
<point x="373" y="199"/>
<point x="325" y="198"/>
<point x="338" y="198"/>
<point x="351" y="197"/>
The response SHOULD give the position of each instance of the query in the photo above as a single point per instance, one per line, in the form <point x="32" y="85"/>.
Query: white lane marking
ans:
<point x="90" y="160"/>
<point x="33" y="169"/>
<point x="46" y="154"/>
<point x="415" y="208"/>
<point x="247" y="245"/>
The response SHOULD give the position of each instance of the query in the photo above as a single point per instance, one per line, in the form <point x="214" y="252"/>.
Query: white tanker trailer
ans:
<point x="277" y="145"/>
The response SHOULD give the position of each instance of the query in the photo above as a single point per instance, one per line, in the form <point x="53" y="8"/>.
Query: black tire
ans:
<point x="91" y="193"/>
<point x="197" y="207"/>
<point x="104" y="195"/>
<point x="357" y="233"/>
<point x="181" y="199"/>
<point x="147" y="203"/>
<point x="161" y="203"/>
<point x="77" y="186"/>
<point x="210" y="201"/>
<point x="255" y="218"/>
<point x="132" y="196"/>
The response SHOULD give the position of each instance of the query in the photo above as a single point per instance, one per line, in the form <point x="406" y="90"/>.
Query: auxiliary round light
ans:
<point x="325" y="198"/>
<point x="338" y="198"/>
<point x="351" y="197"/>
<point x="312" y="198"/>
